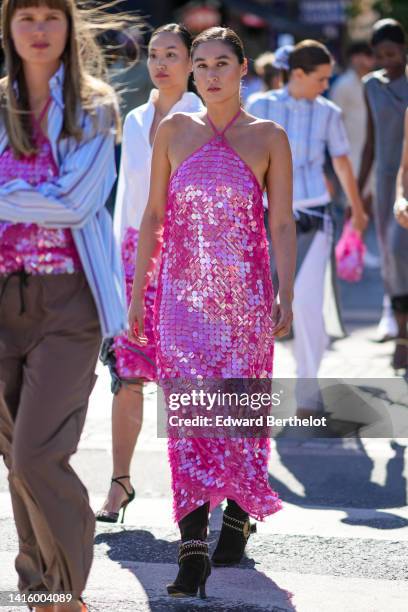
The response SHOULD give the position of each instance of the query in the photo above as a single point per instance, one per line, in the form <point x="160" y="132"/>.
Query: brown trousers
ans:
<point x="48" y="354"/>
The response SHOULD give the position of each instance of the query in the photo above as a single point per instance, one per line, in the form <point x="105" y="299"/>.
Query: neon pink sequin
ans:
<point x="27" y="246"/>
<point x="133" y="361"/>
<point x="212" y="318"/>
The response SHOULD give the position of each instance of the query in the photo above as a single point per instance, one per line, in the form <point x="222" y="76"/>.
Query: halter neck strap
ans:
<point x="37" y="122"/>
<point x="222" y="132"/>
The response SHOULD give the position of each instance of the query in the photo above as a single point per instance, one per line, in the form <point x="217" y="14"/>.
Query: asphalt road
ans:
<point x="340" y="544"/>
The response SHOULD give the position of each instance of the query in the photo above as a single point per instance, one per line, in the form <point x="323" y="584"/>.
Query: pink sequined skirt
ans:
<point x="205" y="469"/>
<point x="132" y="361"/>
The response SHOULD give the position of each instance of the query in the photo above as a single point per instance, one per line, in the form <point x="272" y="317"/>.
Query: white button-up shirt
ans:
<point x="134" y="174"/>
<point x="312" y="127"/>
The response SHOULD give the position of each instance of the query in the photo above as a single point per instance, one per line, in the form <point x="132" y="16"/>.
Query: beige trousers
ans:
<point x="48" y="354"/>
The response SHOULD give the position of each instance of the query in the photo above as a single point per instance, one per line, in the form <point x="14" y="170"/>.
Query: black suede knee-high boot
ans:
<point x="400" y="356"/>
<point x="193" y="560"/>
<point x="194" y="526"/>
<point x="234" y="535"/>
<point x="234" y="510"/>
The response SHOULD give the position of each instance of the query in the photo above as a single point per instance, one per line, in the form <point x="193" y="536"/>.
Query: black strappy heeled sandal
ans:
<point x="112" y="517"/>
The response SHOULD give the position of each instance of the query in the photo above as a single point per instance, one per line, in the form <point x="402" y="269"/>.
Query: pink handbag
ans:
<point x="350" y="251"/>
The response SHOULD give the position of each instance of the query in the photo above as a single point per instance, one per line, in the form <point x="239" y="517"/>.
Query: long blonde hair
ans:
<point x="85" y="83"/>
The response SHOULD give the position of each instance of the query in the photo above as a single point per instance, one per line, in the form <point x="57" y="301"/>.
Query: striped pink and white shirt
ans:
<point x="75" y="199"/>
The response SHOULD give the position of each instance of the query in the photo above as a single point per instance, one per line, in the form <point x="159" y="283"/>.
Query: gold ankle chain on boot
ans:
<point x="192" y="547"/>
<point x="243" y="527"/>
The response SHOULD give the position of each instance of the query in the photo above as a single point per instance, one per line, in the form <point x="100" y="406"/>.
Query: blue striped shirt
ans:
<point x="311" y="126"/>
<point x="76" y="199"/>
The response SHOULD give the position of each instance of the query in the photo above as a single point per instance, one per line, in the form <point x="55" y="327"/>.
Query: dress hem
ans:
<point x="216" y="499"/>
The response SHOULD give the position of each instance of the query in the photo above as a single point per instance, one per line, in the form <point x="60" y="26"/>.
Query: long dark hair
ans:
<point x="225" y="35"/>
<point x="176" y="28"/>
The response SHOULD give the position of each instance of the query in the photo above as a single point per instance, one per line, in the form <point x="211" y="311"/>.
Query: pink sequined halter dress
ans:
<point x="212" y="318"/>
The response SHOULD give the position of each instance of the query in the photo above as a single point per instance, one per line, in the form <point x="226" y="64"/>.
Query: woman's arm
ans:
<point x="150" y="236"/>
<point x="343" y="168"/>
<point x="339" y="149"/>
<point x="128" y="199"/>
<point x="282" y="227"/>
<point x="401" y="206"/>
<point x="367" y="158"/>
<point x="402" y="182"/>
<point x="85" y="179"/>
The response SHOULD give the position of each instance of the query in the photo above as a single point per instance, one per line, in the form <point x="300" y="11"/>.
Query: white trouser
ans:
<point x="311" y="339"/>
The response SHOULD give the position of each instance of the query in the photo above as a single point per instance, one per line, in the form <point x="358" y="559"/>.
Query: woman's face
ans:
<point x="168" y="61"/>
<point x="39" y="34"/>
<point x="314" y="83"/>
<point x="391" y="57"/>
<point x="217" y="71"/>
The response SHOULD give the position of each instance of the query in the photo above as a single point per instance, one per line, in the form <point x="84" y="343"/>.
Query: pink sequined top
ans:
<point x="28" y="246"/>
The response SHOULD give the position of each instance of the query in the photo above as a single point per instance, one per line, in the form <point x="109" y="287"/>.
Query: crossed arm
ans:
<point x="86" y="176"/>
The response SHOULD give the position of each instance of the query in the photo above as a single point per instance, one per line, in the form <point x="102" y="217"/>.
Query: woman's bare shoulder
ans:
<point x="180" y="120"/>
<point x="271" y="128"/>
<point x="175" y="127"/>
<point x="270" y="133"/>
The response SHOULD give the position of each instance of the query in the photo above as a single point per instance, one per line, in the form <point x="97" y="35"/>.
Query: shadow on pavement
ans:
<point x="129" y="546"/>
<point x="343" y="480"/>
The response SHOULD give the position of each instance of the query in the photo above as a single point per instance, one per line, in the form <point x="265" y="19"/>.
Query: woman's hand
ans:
<point x="359" y="221"/>
<point x="402" y="218"/>
<point x="401" y="212"/>
<point x="282" y="317"/>
<point x="136" y="317"/>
